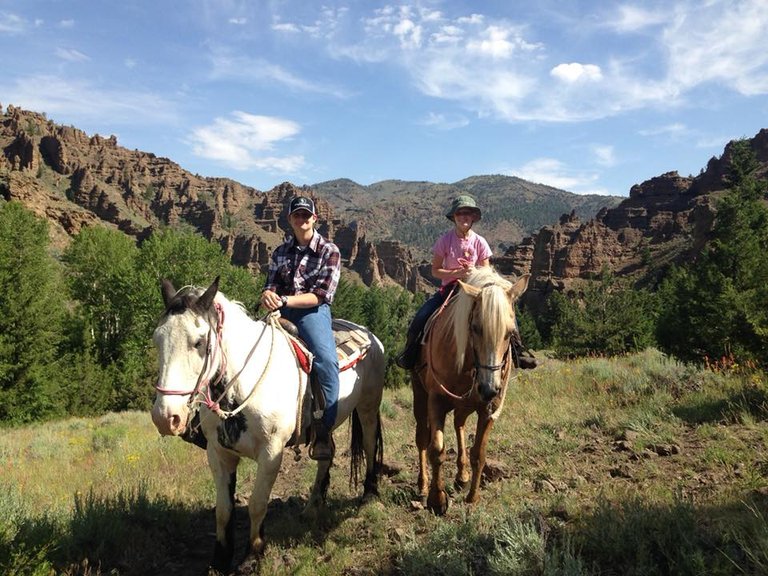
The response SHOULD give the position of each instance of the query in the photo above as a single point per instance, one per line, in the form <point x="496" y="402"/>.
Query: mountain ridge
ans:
<point x="384" y="230"/>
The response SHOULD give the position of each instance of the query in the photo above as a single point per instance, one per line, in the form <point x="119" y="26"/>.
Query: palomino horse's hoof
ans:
<point x="460" y="484"/>
<point x="437" y="503"/>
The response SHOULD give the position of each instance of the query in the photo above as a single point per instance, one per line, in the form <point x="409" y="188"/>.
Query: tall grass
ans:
<point x="625" y="466"/>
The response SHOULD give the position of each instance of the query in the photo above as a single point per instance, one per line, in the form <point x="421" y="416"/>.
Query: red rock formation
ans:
<point x="75" y="180"/>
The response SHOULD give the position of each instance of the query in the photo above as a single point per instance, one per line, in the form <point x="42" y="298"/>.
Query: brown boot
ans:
<point x="322" y="446"/>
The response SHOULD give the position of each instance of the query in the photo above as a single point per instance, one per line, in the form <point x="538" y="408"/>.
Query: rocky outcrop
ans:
<point x="665" y="219"/>
<point x="76" y="180"/>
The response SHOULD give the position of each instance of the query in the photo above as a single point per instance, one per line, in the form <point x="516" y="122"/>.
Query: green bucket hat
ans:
<point x="464" y="201"/>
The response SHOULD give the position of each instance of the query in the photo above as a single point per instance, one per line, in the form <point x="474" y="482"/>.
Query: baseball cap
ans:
<point x="302" y="203"/>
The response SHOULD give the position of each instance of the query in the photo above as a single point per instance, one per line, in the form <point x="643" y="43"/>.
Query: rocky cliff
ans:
<point x="75" y="180"/>
<point x="665" y="219"/>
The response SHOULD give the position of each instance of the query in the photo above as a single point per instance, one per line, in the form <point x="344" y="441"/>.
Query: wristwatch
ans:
<point x="283" y="301"/>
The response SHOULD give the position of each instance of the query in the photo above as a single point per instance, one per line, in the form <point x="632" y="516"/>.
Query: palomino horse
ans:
<point x="240" y="381"/>
<point x="464" y="366"/>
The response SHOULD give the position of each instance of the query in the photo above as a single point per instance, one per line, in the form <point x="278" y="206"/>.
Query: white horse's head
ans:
<point x="184" y="339"/>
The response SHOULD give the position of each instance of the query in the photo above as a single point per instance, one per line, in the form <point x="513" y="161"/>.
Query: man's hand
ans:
<point x="271" y="301"/>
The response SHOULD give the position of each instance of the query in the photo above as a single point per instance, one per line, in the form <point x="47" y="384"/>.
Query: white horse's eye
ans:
<point x="200" y="344"/>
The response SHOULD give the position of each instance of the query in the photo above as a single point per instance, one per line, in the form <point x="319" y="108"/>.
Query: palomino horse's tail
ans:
<point x="357" y="451"/>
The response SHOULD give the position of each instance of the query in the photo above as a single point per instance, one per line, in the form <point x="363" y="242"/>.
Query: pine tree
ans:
<point x="31" y="309"/>
<point x="716" y="307"/>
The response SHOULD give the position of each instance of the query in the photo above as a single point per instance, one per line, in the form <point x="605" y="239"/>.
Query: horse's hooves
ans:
<point x="472" y="498"/>
<point x="438" y="503"/>
<point x="249" y="566"/>
<point x="369" y="497"/>
<point x="460" y="484"/>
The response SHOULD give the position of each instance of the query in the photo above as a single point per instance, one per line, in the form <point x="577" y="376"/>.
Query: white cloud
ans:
<point x="445" y="121"/>
<point x="286" y="27"/>
<point x="83" y="102"/>
<point x="634" y="18"/>
<point x="552" y="172"/>
<point x="669" y="129"/>
<point x="604" y="155"/>
<point x="71" y="55"/>
<point x="70" y="23"/>
<point x="499" y="68"/>
<point x="238" y="21"/>
<point x="721" y="42"/>
<point x="246" y="141"/>
<point x="11" y="23"/>
<point x="499" y="41"/>
<point x="228" y="66"/>
<point x="575" y="72"/>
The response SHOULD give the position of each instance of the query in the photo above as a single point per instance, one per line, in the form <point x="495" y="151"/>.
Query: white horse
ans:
<point x="238" y="380"/>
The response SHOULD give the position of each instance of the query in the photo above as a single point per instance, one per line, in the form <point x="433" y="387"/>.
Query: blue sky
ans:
<point x="587" y="96"/>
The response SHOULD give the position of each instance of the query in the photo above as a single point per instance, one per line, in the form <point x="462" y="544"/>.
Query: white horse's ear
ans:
<point x="168" y="291"/>
<point x="206" y="300"/>
<point x="517" y="289"/>
<point x="469" y="289"/>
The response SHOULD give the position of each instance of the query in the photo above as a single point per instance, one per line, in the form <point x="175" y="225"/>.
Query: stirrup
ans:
<point x="322" y="446"/>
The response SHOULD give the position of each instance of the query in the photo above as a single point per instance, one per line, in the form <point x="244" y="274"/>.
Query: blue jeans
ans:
<point x="314" y="325"/>
<point x="427" y="309"/>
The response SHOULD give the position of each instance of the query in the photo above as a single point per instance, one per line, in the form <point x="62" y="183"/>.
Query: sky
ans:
<point x="587" y="96"/>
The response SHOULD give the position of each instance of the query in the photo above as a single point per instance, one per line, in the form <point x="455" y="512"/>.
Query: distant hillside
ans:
<point x="414" y="212"/>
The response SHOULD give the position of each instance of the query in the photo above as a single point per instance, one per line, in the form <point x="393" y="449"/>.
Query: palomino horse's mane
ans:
<point x="494" y="309"/>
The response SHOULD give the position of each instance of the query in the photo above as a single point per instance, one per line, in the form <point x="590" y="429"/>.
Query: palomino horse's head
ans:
<point x="185" y="339"/>
<point x="484" y="328"/>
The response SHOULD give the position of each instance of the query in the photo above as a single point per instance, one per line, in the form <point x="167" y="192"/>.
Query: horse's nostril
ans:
<point x="174" y="421"/>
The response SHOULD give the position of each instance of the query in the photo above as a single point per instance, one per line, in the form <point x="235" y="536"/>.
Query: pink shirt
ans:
<point x="457" y="251"/>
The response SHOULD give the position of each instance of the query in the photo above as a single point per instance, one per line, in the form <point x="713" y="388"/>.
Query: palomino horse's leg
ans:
<point x="437" y="500"/>
<point x="477" y="454"/>
<point x="420" y="398"/>
<point x="268" y="465"/>
<point x="224" y="467"/>
<point x="462" y="461"/>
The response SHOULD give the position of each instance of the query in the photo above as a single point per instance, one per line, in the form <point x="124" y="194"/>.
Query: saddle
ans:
<point x="352" y="344"/>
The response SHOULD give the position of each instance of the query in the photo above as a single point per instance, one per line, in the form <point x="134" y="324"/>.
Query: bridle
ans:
<point x="204" y="378"/>
<point x="204" y="385"/>
<point x="476" y="364"/>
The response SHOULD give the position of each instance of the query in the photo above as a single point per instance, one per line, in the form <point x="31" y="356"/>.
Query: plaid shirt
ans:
<point x="297" y="270"/>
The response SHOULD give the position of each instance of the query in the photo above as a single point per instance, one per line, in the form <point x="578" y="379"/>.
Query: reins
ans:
<point x="491" y="367"/>
<point x="204" y="386"/>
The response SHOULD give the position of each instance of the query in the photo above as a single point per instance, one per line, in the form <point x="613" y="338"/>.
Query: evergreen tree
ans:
<point x="716" y="306"/>
<point x="31" y="308"/>
<point x="608" y="317"/>
<point x="101" y="274"/>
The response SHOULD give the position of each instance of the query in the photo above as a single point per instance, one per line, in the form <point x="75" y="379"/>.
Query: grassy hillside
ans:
<point x="413" y="212"/>
<point x="638" y="465"/>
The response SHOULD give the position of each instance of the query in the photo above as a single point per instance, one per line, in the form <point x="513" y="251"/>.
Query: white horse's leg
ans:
<point x="316" y="500"/>
<point x="224" y="469"/>
<point x="268" y="466"/>
<point x="370" y="422"/>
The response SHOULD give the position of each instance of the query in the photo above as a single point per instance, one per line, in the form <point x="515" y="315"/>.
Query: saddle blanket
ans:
<point x="352" y="344"/>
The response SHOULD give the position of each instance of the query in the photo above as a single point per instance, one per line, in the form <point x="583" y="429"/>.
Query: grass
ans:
<point x="634" y="465"/>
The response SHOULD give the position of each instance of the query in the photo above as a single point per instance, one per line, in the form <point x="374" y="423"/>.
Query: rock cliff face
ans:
<point x="665" y="219"/>
<point x="75" y="180"/>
